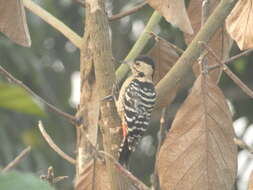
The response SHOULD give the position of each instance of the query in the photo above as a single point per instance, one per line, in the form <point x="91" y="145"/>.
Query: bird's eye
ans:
<point x="137" y="63"/>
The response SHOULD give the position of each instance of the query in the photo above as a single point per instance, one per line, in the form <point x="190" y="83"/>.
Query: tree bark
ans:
<point x="97" y="79"/>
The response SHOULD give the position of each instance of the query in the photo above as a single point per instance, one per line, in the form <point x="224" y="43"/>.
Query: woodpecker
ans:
<point x="135" y="103"/>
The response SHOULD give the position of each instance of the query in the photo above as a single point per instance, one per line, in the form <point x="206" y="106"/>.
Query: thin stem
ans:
<point x="173" y="46"/>
<point x="13" y="163"/>
<point x="138" y="46"/>
<point x="52" y="108"/>
<point x="231" y="59"/>
<point x="128" y="12"/>
<point x="54" y="22"/>
<point x="161" y="135"/>
<point x="54" y="146"/>
<point x="229" y="72"/>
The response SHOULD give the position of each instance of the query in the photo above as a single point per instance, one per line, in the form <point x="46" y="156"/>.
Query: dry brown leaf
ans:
<point x="239" y="24"/>
<point x="199" y="151"/>
<point x="174" y="12"/>
<point x="85" y="180"/>
<point x="13" y="22"/>
<point x="164" y="56"/>
<point x="220" y="42"/>
<point x="250" y="184"/>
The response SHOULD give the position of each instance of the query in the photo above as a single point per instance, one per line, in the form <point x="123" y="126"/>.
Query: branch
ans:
<point x="231" y="59"/>
<point x="243" y="145"/>
<point x="173" y="46"/>
<point x="126" y="173"/>
<point x="185" y="62"/>
<point x="54" y="146"/>
<point x="17" y="160"/>
<point x="54" y="22"/>
<point x="52" y="108"/>
<point x="128" y="12"/>
<point x="50" y="177"/>
<point x="138" y="46"/>
<point x="229" y="72"/>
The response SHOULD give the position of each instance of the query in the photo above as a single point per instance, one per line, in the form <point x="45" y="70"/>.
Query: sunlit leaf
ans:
<point x="174" y="12"/>
<point x="199" y="152"/>
<point x="13" y="21"/>
<point x="239" y="24"/>
<point x="17" y="99"/>
<point x="21" y="181"/>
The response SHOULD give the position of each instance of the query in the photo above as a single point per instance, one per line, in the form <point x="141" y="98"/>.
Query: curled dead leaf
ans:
<point x="199" y="152"/>
<point x="90" y="173"/>
<point x="164" y="57"/>
<point x="13" y="22"/>
<point x="174" y="12"/>
<point x="220" y="42"/>
<point x="239" y="24"/>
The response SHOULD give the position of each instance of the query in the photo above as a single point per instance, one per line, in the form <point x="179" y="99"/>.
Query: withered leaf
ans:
<point x="239" y="24"/>
<point x="164" y="57"/>
<point x="250" y="184"/>
<point x="220" y="42"/>
<point x="199" y="152"/>
<point x="174" y="12"/>
<point x="13" y="22"/>
<point x="101" y="179"/>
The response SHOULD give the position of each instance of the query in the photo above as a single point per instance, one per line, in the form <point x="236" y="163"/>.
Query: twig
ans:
<point x="54" y="146"/>
<point x="236" y="80"/>
<point x="243" y="145"/>
<point x="13" y="163"/>
<point x="128" y="12"/>
<point x="94" y="173"/>
<point x="50" y="177"/>
<point x="54" y="22"/>
<point x="52" y="108"/>
<point x="161" y="130"/>
<point x="173" y="46"/>
<point x="136" y="182"/>
<point x="231" y="59"/>
<point x="155" y="180"/>
<point x="101" y="154"/>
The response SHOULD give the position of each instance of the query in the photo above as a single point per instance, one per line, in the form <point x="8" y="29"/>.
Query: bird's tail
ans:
<point x="124" y="152"/>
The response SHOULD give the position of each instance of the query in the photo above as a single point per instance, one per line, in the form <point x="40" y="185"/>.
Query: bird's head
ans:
<point x="143" y="66"/>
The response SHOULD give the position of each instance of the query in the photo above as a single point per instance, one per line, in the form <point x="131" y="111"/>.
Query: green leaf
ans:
<point x="17" y="99"/>
<point x="21" y="181"/>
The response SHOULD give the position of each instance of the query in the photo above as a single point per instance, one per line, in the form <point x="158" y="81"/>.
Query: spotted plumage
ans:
<point x="135" y="104"/>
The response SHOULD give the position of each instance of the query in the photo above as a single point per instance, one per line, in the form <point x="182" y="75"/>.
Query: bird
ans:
<point x="135" y="104"/>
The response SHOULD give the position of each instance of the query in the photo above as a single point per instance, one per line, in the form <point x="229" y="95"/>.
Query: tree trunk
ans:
<point x="97" y="78"/>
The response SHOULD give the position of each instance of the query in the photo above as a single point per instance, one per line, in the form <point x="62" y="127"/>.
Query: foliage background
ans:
<point x="47" y="67"/>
